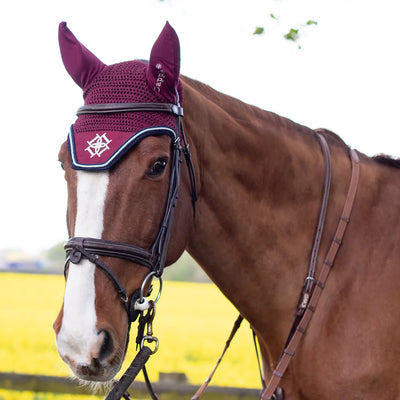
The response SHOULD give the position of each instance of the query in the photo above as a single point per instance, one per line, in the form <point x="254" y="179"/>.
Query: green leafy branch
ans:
<point x="294" y="33"/>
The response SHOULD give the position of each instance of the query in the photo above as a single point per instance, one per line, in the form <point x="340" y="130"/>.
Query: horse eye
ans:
<point x="157" y="168"/>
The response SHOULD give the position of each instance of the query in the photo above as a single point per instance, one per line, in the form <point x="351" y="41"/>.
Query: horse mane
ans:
<point x="237" y="107"/>
<point x="387" y="160"/>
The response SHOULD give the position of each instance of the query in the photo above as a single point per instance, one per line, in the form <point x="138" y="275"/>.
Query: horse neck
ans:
<point x="258" y="205"/>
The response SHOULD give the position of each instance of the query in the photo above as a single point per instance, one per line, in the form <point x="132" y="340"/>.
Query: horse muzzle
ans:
<point x="95" y="358"/>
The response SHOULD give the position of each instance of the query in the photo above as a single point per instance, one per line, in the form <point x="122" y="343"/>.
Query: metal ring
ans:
<point x="141" y="298"/>
<point x="149" y="339"/>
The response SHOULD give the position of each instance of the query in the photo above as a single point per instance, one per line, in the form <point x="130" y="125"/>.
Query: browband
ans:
<point x="111" y="108"/>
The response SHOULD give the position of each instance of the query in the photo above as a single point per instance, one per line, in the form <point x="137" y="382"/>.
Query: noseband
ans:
<point x="154" y="258"/>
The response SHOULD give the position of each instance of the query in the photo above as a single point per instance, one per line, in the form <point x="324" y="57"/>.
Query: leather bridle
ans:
<point x="153" y="258"/>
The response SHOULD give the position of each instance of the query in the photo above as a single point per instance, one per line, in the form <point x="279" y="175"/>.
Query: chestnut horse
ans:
<point x="259" y="184"/>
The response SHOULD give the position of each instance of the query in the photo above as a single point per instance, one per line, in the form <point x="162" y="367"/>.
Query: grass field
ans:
<point x="192" y="323"/>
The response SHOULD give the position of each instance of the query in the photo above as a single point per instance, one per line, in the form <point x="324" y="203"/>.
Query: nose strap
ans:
<point x="78" y="248"/>
<point x="110" y="248"/>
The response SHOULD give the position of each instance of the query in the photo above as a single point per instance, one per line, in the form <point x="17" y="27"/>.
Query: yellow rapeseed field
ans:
<point x="192" y="323"/>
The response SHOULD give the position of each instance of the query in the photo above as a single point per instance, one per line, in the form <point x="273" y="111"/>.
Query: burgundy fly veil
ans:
<point x="124" y="103"/>
<point x="98" y="141"/>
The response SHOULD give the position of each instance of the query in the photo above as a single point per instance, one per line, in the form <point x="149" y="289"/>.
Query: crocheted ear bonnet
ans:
<point x="98" y="141"/>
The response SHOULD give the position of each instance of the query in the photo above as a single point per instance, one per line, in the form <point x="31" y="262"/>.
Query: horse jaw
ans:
<point x="80" y="340"/>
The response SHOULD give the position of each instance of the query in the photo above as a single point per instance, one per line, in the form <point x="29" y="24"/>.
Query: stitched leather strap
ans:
<point x="291" y="347"/>
<point x="110" y="108"/>
<point x="76" y="251"/>
<point x="119" y="390"/>
<point x="109" y="248"/>
<point x="322" y="215"/>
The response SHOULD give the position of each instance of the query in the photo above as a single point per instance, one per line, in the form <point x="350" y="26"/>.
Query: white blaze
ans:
<point x="78" y="331"/>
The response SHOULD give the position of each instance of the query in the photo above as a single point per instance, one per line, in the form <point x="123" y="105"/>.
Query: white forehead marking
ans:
<point x="91" y="194"/>
<point x="78" y="332"/>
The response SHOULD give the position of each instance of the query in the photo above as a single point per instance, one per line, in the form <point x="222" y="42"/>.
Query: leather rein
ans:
<point x="313" y="286"/>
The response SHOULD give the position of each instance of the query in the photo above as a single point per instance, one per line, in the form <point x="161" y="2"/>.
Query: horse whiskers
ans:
<point x="119" y="356"/>
<point x="99" y="388"/>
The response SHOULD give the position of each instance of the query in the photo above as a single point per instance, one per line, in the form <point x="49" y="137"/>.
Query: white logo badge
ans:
<point x="98" y="145"/>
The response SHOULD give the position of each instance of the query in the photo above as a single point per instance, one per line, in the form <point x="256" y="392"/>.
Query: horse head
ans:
<point x="121" y="163"/>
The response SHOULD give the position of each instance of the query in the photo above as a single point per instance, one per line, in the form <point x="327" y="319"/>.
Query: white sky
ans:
<point x="345" y="78"/>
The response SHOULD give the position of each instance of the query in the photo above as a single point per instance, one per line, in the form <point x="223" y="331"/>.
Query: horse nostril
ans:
<point x="87" y="370"/>
<point x="107" y="347"/>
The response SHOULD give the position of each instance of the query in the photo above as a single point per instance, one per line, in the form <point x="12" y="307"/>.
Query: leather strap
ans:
<point x="76" y="251"/>
<point x="120" y="389"/>
<point x="300" y="329"/>
<point x="111" y="108"/>
<point x="322" y="215"/>
<point x="109" y="248"/>
<point x="203" y="387"/>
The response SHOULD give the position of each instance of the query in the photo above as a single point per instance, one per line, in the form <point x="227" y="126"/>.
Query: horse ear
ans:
<point x="163" y="68"/>
<point x="80" y="63"/>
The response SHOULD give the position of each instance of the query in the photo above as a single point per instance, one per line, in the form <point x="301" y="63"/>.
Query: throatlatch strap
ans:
<point x="301" y="327"/>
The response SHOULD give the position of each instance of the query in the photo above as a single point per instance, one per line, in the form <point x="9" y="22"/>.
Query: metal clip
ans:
<point x="146" y="322"/>
<point x="150" y="339"/>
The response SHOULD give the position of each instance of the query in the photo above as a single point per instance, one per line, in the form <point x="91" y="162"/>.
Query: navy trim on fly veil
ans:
<point x="100" y="150"/>
<point x="97" y="151"/>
